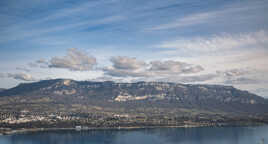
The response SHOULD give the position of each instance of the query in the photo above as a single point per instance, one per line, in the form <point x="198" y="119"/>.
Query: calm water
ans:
<point x="227" y="135"/>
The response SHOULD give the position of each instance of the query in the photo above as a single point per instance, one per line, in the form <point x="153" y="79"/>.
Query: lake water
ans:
<point x="205" y="135"/>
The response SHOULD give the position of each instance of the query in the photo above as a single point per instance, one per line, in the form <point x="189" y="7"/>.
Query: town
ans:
<point x="81" y="121"/>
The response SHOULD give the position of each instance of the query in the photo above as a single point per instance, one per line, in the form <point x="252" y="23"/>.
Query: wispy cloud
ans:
<point x="229" y="77"/>
<point x="206" y="17"/>
<point x="28" y="32"/>
<point x="221" y="42"/>
<point x="18" y="76"/>
<point x="74" y="10"/>
<point x="54" y="15"/>
<point x="23" y="69"/>
<point x="21" y="76"/>
<point x="187" y="21"/>
<point x="70" y="16"/>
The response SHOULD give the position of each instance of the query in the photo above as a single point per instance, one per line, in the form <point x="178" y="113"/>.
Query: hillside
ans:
<point x="147" y="100"/>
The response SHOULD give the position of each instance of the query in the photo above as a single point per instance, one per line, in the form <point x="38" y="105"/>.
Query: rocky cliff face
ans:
<point x="140" y="94"/>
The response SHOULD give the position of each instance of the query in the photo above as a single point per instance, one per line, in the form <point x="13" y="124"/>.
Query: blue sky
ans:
<point x="184" y="41"/>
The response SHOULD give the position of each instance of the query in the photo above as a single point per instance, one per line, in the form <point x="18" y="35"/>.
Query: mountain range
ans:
<point x="147" y="99"/>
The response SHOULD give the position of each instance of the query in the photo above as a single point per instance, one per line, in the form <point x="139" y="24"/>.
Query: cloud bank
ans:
<point x="131" y="67"/>
<point x="74" y="60"/>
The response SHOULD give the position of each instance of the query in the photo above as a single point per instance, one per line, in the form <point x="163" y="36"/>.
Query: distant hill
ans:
<point x="67" y="103"/>
<point x="210" y="98"/>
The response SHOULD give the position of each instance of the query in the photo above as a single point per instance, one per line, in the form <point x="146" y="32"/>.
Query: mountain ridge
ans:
<point x="102" y="102"/>
<point x="138" y="91"/>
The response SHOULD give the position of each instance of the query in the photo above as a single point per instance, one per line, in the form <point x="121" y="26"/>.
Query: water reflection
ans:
<point x="227" y="135"/>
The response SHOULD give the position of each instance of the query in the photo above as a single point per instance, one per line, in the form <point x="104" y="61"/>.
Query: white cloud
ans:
<point x="215" y="43"/>
<point x="21" y="76"/>
<point x="126" y="67"/>
<point x="242" y="77"/>
<point x="41" y="61"/>
<point x="208" y="17"/>
<point x="121" y="62"/>
<point x="131" y="67"/>
<point x="230" y="77"/>
<point x="74" y="60"/>
<point x="235" y="72"/>
<point x="187" y="21"/>
<point x="173" y="67"/>
<point x="125" y="72"/>
<point x="26" y="31"/>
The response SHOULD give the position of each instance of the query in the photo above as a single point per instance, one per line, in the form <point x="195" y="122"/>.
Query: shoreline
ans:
<point x="26" y="130"/>
<point x="29" y="130"/>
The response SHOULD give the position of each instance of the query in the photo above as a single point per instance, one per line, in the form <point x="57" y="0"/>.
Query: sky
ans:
<point x="183" y="41"/>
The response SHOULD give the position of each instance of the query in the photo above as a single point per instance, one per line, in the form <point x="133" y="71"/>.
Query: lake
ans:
<point x="202" y="135"/>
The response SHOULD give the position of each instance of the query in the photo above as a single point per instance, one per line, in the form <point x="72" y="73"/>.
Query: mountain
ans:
<point x="149" y="100"/>
<point x="214" y="97"/>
